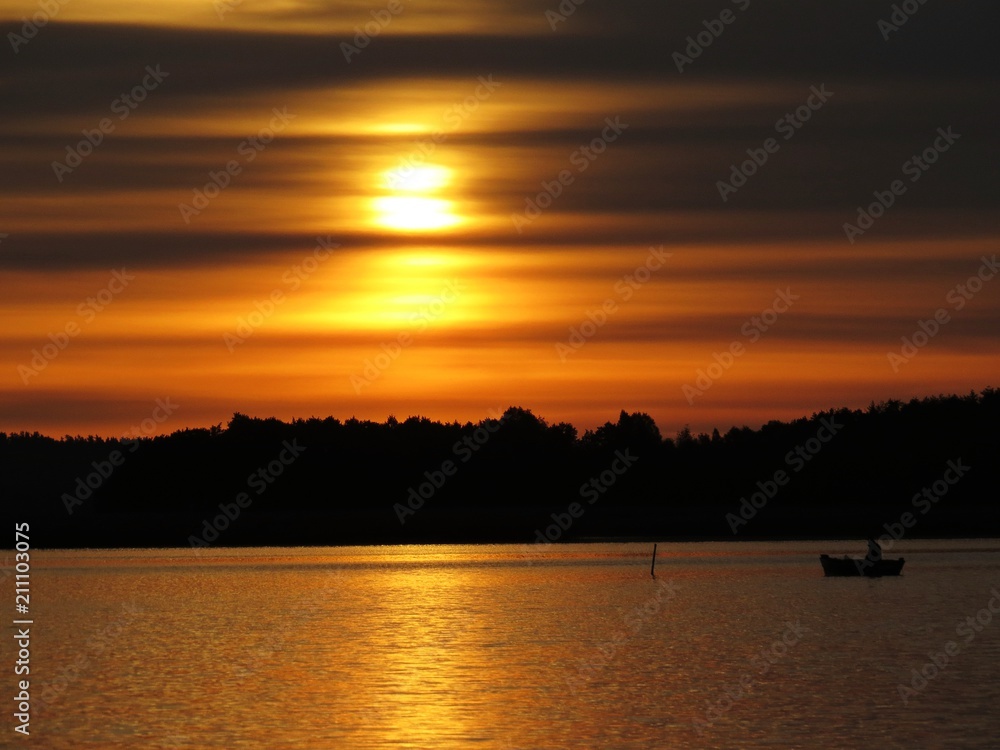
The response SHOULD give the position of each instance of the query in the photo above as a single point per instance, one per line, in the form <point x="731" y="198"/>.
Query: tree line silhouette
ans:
<point x="326" y="481"/>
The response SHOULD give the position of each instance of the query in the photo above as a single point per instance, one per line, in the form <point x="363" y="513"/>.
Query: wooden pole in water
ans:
<point x="652" y="568"/>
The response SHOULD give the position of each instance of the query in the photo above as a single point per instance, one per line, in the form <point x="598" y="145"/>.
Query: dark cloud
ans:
<point x="787" y="39"/>
<point x="757" y="230"/>
<point x="890" y="97"/>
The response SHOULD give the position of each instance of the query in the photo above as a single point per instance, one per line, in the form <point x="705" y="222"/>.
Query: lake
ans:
<point x="732" y="645"/>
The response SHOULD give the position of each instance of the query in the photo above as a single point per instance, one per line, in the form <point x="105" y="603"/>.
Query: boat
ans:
<point x="860" y="566"/>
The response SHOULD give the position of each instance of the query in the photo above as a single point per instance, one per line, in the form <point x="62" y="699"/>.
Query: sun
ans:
<point x="418" y="179"/>
<point x="405" y="210"/>
<point x="414" y="214"/>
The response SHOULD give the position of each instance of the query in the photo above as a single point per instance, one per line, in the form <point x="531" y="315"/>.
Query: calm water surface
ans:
<point x="732" y="646"/>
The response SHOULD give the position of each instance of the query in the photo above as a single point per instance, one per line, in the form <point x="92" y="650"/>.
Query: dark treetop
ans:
<point x="920" y="469"/>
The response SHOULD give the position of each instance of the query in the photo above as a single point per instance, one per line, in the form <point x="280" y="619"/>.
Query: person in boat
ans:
<point x="874" y="551"/>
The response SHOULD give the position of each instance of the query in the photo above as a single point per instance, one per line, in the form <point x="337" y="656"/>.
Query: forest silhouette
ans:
<point x="840" y="473"/>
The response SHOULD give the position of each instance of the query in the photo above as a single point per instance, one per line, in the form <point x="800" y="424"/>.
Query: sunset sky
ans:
<point x="414" y="219"/>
